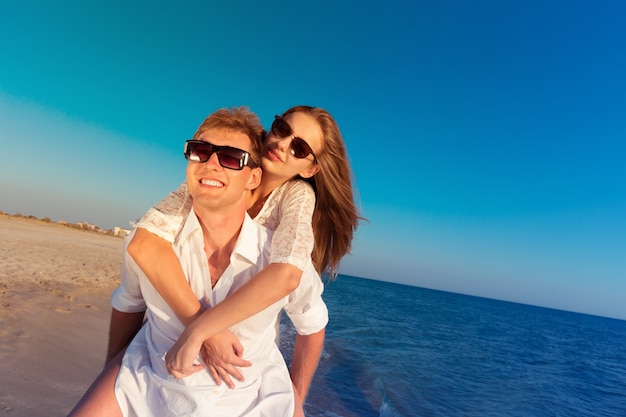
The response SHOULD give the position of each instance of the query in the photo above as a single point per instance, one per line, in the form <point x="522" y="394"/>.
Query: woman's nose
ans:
<point x="284" y="143"/>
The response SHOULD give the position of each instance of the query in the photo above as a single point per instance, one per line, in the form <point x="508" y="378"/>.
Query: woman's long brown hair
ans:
<point x="335" y="217"/>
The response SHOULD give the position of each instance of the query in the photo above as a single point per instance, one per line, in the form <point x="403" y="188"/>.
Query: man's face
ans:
<point x="215" y="187"/>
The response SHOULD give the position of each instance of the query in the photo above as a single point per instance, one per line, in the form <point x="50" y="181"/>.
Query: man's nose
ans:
<point x="213" y="160"/>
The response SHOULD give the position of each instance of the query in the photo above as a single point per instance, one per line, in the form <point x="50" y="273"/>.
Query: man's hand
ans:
<point x="222" y="355"/>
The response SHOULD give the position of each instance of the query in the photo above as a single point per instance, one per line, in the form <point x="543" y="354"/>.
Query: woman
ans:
<point x="305" y="188"/>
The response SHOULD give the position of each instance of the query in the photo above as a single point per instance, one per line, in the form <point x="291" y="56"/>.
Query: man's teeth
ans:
<point x="213" y="183"/>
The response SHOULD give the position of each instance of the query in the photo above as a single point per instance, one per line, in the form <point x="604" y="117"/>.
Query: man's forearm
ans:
<point x="122" y="329"/>
<point x="306" y="357"/>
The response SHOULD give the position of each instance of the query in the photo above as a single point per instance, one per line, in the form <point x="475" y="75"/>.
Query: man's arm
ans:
<point x="122" y="329"/>
<point x="306" y="357"/>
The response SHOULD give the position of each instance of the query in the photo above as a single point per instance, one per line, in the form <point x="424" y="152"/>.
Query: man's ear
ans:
<point x="310" y="171"/>
<point x="255" y="178"/>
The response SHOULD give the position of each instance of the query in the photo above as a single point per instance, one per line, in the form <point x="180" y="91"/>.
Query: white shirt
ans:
<point x="144" y="387"/>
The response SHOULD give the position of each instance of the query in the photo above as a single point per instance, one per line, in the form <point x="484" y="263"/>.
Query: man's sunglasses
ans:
<point x="299" y="148"/>
<point x="227" y="156"/>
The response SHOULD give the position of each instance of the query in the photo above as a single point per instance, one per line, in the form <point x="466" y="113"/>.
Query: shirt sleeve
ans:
<point x="293" y="239"/>
<point x="166" y="218"/>
<point x="306" y="308"/>
<point x="128" y="297"/>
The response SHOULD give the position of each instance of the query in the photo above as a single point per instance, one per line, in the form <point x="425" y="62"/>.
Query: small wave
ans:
<point x="387" y="408"/>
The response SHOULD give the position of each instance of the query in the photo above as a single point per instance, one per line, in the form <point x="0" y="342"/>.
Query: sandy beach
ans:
<point x="55" y="284"/>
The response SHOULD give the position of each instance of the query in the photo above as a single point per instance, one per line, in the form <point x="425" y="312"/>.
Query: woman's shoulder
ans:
<point x="296" y="186"/>
<point x="294" y="193"/>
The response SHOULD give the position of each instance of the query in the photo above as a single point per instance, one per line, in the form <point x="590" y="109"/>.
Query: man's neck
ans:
<point x="220" y="231"/>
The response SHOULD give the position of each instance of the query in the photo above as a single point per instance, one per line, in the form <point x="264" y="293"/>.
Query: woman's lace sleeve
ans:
<point x="166" y="218"/>
<point x="293" y="239"/>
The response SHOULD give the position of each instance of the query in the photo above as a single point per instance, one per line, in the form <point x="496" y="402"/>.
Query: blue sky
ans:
<point x="487" y="137"/>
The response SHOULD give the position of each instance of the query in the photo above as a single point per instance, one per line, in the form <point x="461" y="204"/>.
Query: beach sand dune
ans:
<point x="55" y="285"/>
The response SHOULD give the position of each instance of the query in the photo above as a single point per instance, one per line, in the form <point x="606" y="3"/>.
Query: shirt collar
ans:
<point x="249" y="242"/>
<point x="248" y="245"/>
<point x="191" y="225"/>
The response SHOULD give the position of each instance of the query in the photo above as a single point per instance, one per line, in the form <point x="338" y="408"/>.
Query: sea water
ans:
<point x="396" y="350"/>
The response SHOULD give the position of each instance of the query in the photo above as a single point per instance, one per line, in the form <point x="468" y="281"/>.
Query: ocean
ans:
<point x="394" y="350"/>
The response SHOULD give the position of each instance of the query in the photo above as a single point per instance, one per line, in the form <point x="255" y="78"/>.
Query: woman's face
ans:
<point x="278" y="156"/>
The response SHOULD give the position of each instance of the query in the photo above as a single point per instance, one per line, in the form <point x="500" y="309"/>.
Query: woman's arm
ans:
<point x="291" y="245"/>
<point x="151" y="249"/>
<point x="264" y="289"/>
<point x="157" y="260"/>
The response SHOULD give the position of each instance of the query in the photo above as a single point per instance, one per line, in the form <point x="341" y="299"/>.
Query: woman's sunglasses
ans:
<point x="227" y="156"/>
<point x="299" y="148"/>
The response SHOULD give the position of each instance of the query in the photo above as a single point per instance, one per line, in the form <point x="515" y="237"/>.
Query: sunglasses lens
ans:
<point x="231" y="158"/>
<point x="199" y="152"/>
<point x="299" y="148"/>
<point x="281" y="128"/>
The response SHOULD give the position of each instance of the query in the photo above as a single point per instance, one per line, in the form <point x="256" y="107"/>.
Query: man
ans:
<point x="222" y="169"/>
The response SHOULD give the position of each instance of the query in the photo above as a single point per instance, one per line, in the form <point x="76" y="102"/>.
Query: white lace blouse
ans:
<point x="288" y="211"/>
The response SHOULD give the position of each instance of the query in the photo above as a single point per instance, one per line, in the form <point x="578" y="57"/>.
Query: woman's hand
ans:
<point x="181" y="360"/>
<point x="222" y="355"/>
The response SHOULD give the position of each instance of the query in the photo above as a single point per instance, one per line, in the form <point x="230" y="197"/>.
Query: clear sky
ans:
<point x="487" y="138"/>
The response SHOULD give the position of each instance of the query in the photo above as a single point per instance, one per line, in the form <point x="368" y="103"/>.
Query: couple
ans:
<point x="252" y="273"/>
